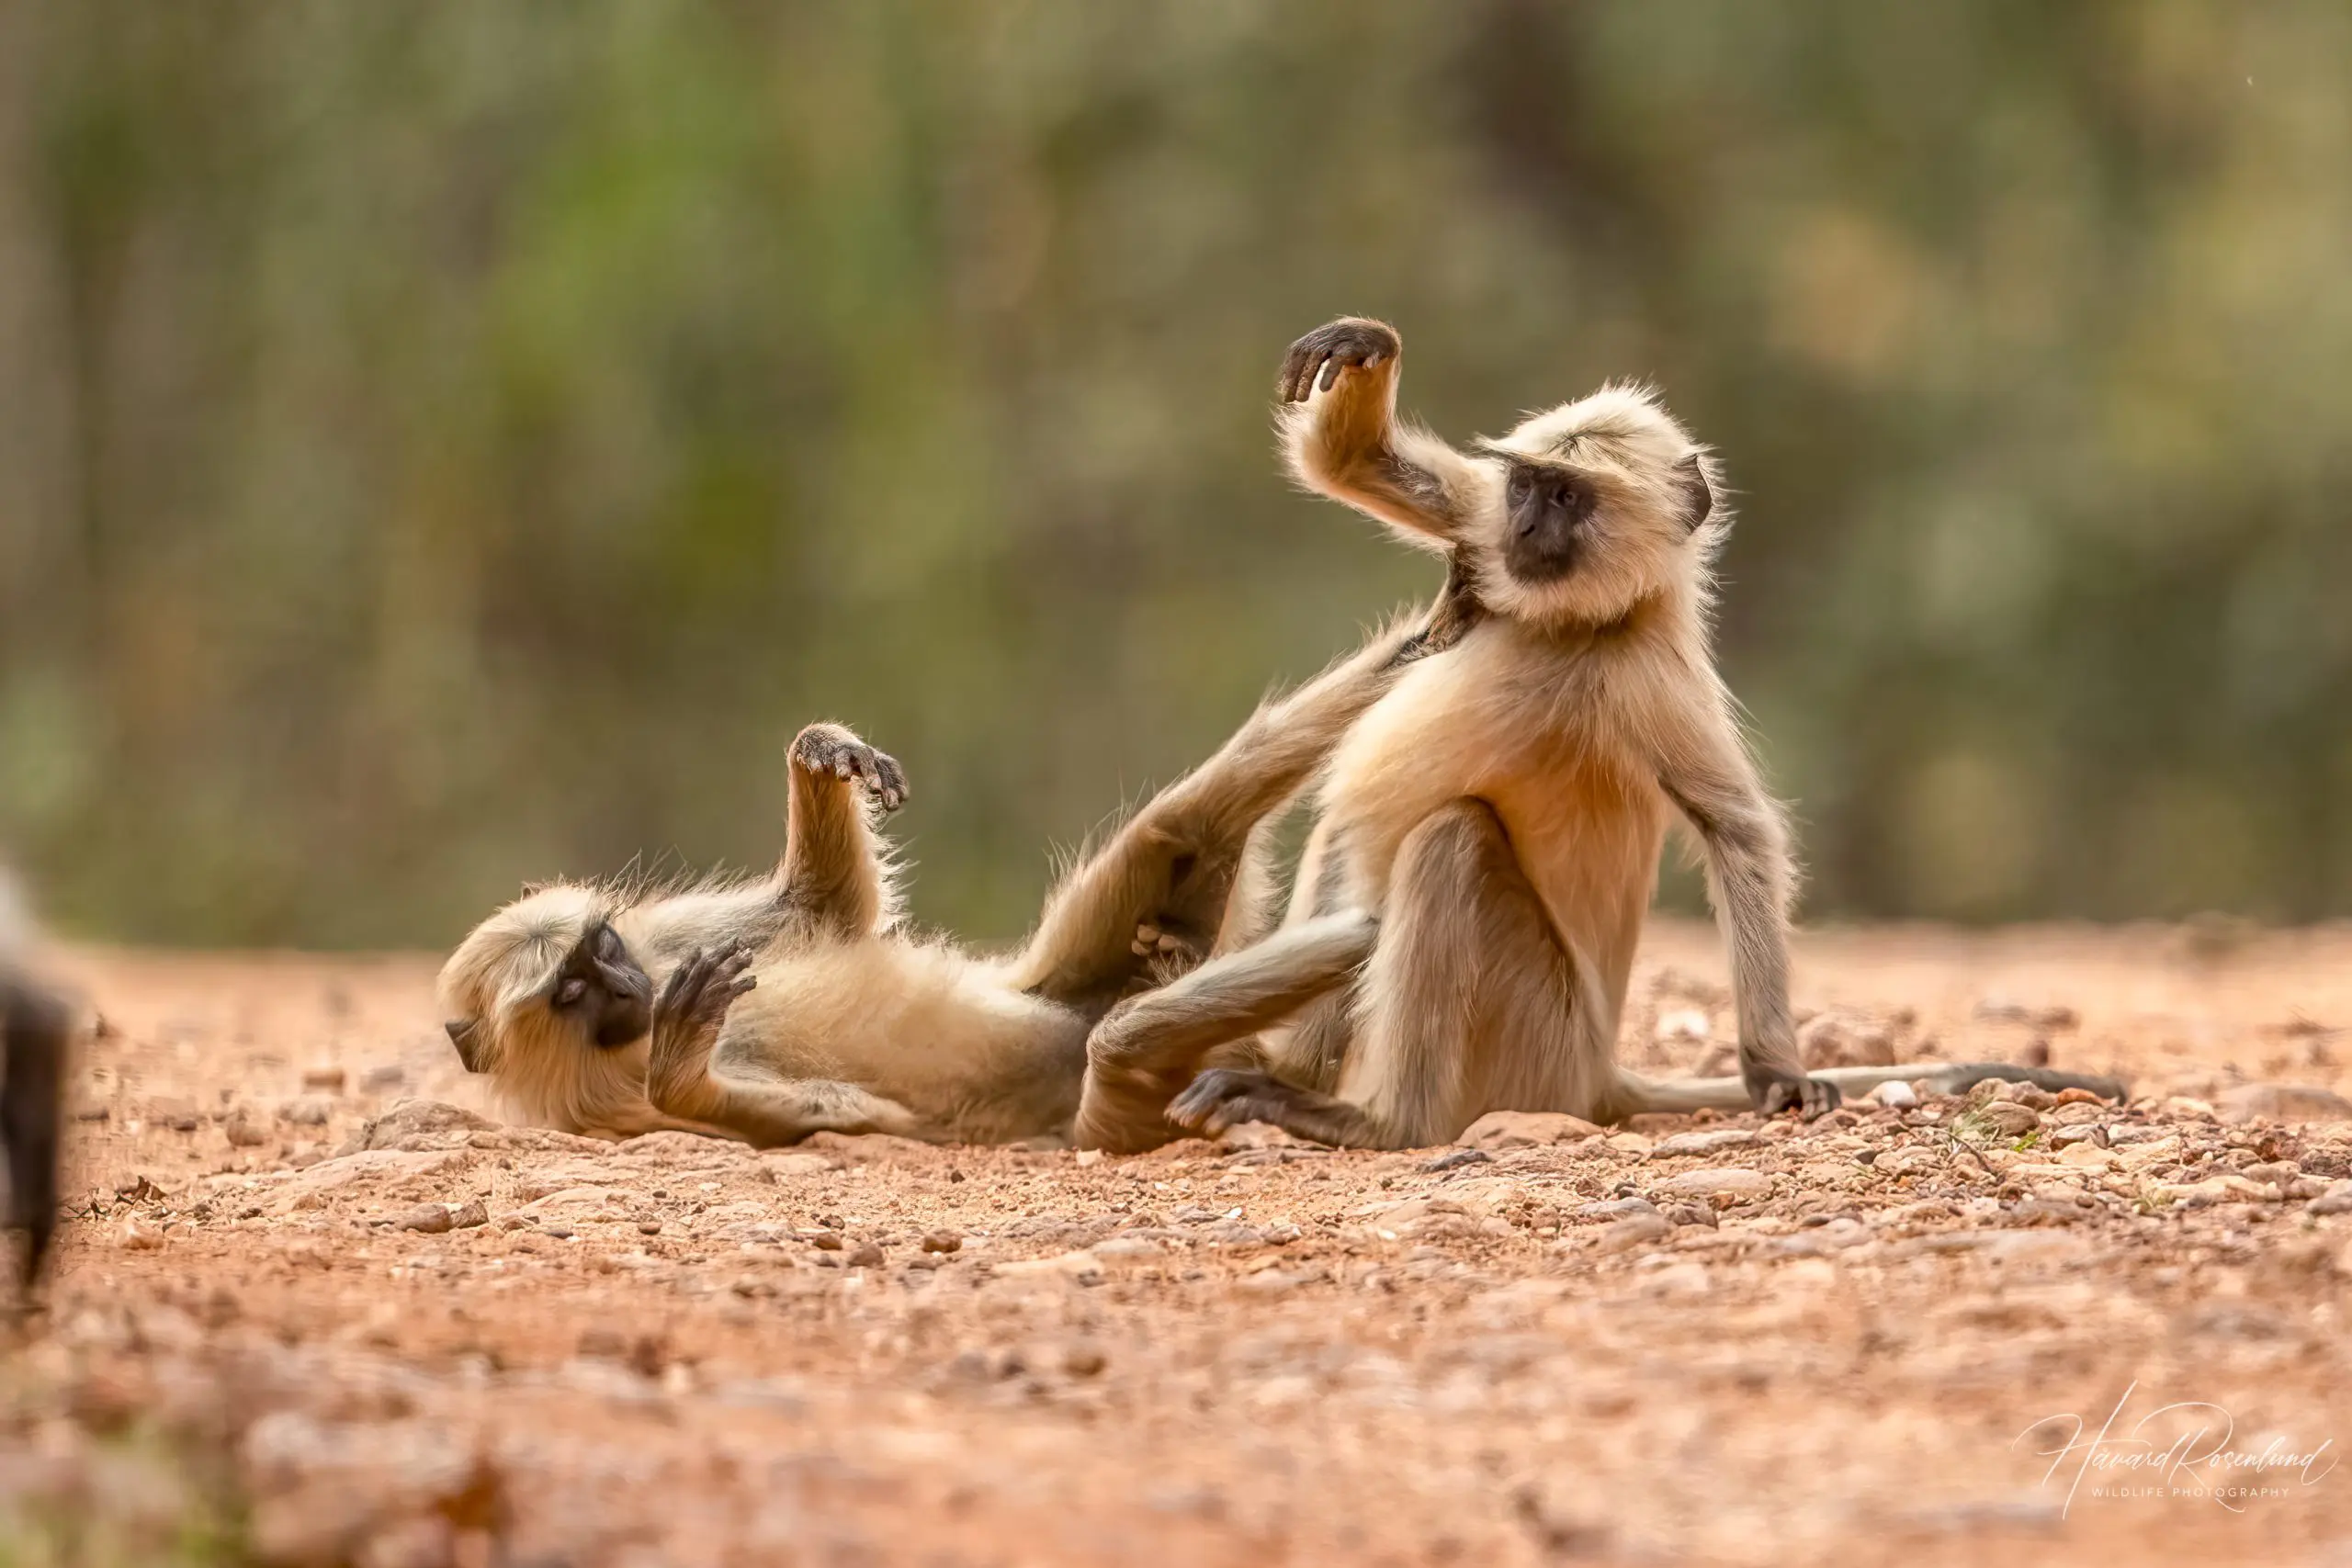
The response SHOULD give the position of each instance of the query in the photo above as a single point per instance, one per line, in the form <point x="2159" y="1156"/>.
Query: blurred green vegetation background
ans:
<point x="443" y="445"/>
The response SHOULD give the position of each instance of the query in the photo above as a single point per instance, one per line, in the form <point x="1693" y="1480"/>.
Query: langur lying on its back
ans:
<point x="775" y="1008"/>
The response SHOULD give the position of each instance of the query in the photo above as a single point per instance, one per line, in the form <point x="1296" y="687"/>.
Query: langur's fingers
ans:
<point x="1331" y="369"/>
<point x="1310" y="365"/>
<point x="1232" y="1109"/>
<point x="684" y="980"/>
<point x="1291" y="384"/>
<point x="1200" y="1099"/>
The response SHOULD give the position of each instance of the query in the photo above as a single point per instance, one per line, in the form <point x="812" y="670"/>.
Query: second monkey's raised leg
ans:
<point x="1175" y="869"/>
<point x="1174" y="866"/>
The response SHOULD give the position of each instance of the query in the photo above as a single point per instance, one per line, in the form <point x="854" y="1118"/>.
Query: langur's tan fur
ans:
<point x="852" y="1025"/>
<point x="1493" y="825"/>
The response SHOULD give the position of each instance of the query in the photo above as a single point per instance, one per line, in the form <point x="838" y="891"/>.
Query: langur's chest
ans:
<point x="921" y="1025"/>
<point x="1583" y="819"/>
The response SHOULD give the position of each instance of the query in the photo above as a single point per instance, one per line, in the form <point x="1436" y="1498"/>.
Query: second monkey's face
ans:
<point x="1595" y="511"/>
<point x="547" y="973"/>
<point x="1547" y="512"/>
<point x="601" y="990"/>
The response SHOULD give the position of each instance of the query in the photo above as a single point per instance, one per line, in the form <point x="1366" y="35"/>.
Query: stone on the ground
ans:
<point x="1634" y="1230"/>
<point x="1243" y="1136"/>
<point x="1731" y="1183"/>
<point x="1843" y="1039"/>
<point x="1524" y="1130"/>
<point x="2007" y="1117"/>
<point x="1682" y="1027"/>
<point x="422" y="1119"/>
<point x="1703" y="1142"/>
<point x="2283" y="1102"/>
<point x="383" y="1078"/>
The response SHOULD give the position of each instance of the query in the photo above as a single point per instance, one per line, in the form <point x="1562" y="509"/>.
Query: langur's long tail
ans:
<point x="1943" y="1078"/>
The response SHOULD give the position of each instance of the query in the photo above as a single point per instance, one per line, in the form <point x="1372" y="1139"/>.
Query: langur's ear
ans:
<point x="465" y="1034"/>
<point x="1698" y="496"/>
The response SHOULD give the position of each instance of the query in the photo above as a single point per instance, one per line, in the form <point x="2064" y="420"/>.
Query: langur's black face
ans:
<point x="1550" y="524"/>
<point x="1592" y="513"/>
<point x="602" y="988"/>
<point x="598" y="991"/>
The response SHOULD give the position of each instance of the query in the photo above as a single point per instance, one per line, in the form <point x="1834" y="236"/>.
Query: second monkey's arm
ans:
<point x="1341" y="437"/>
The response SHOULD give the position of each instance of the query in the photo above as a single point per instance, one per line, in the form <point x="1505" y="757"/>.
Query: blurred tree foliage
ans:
<point x="445" y="444"/>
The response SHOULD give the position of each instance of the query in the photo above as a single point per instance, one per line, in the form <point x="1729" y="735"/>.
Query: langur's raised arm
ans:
<point x="1341" y="437"/>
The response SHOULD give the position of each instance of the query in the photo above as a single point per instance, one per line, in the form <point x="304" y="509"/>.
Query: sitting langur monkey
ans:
<point x="1493" y="825"/>
<point x="34" y="1029"/>
<point x="775" y="1008"/>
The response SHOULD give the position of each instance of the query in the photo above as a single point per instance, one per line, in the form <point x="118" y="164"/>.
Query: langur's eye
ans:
<point x="571" y="990"/>
<point x="1519" y="483"/>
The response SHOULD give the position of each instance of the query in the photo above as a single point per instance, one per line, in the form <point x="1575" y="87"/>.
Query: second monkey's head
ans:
<point x="1599" y="505"/>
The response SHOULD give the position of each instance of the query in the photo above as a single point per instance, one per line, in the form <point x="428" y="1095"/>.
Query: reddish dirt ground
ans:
<point x="298" y="1318"/>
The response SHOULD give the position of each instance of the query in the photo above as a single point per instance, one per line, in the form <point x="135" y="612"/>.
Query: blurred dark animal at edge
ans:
<point x="35" y="1025"/>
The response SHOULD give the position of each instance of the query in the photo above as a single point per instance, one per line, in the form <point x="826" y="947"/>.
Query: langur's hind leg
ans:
<point x="1151" y="1047"/>
<point x="1169" y="873"/>
<point x="834" y="873"/>
<point x="1468" y="1004"/>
